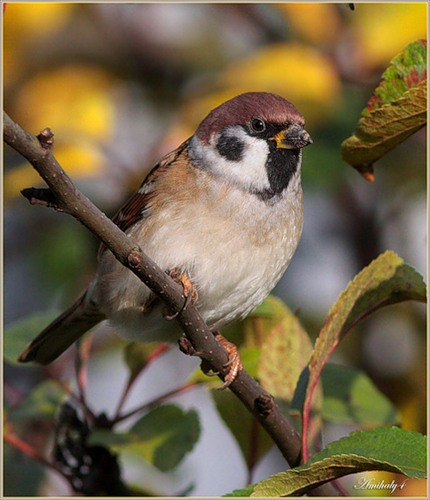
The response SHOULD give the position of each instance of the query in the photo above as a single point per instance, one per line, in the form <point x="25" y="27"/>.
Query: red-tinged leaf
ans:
<point x="285" y="353"/>
<point x="397" y="109"/>
<point x="274" y="348"/>
<point x="387" y="280"/>
<point x="406" y="71"/>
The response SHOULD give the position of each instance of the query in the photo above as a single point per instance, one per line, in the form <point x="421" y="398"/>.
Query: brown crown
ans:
<point x="242" y="108"/>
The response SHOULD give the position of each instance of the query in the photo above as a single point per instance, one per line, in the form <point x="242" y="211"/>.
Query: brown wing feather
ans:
<point x="137" y="206"/>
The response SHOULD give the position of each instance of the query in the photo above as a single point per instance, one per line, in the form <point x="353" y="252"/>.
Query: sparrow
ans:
<point x="224" y="210"/>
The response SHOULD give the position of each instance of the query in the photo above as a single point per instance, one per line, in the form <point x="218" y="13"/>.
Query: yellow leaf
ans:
<point x="285" y="352"/>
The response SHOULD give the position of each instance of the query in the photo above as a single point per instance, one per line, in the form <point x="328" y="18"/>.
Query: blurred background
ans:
<point x="120" y="85"/>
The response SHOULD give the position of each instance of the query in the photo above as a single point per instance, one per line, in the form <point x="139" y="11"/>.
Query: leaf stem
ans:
<point x="155" y="402"/>
<point x="133" y="377"/>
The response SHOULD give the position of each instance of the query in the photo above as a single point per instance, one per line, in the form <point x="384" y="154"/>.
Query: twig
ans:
<point x="156" y="402"/>
<point x="133" y="376"/>
<point x="13" y="440"/>
<point x="81" y="369"/>
<point x="65" y="196"/>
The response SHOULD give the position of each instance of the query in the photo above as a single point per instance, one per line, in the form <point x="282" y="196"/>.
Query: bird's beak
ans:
<point x="293" y="137"/>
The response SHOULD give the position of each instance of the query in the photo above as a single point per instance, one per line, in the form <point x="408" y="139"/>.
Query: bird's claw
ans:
<point x="190" y="292"/>
<point x="234" y="363"/>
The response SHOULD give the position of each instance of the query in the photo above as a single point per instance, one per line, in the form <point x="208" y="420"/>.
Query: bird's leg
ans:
<point x="234" y="363"/>
<point x="190" y="292"/>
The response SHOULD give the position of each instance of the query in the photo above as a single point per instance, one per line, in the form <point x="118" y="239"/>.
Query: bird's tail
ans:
<point x="62" y="332"/>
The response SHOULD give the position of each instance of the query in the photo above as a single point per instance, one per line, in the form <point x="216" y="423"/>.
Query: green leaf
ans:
<point x="387" y="280"/>
<point x="386" y="449"/>
<point x="252" y="439"/>
<point x="242" y="493"/>
<point x="397" y="109"/>
<point x="351" y="397"/>
<point x="162" y="437"/>
<point x="298" y="400"/>
<point x="18" y="334"/>
<point x="23" y="477"/>
<point x="271" y="308"/>
<point x="42" y="402"/>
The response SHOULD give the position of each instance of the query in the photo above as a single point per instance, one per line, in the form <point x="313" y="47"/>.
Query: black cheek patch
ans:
<point x="230" y="147"/>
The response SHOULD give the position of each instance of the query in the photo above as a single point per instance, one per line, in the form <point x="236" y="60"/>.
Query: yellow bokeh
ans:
<point x="299" y="73"/>
<point x="83" y="161"/>
<point x="411" y="411"/>
<point x="75" y="101"/>
<point x="72" y="100"/>
<point x="25" y="23"/>
<point x="315" y="22"/>
<point x="383" y="30"/>
<point x="35" y="18"/>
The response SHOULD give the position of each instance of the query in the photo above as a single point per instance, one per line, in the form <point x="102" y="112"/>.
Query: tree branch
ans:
<point x="63" y="195"/>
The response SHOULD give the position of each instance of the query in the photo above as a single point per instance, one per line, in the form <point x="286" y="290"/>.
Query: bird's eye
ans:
<point x="258" y="125"/>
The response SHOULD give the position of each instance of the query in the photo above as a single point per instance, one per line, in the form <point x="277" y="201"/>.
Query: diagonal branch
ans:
<point x="64" y="196"/>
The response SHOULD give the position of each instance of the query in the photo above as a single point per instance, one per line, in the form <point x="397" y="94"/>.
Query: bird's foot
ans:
<point x="234" y="363"/>
<point x="189" y="291"/>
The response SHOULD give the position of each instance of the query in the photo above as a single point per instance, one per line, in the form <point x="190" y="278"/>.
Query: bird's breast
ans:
<point x="233" y="246"/>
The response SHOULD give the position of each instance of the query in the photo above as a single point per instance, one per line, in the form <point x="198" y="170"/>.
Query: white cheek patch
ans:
<point x="249" y="172"/>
